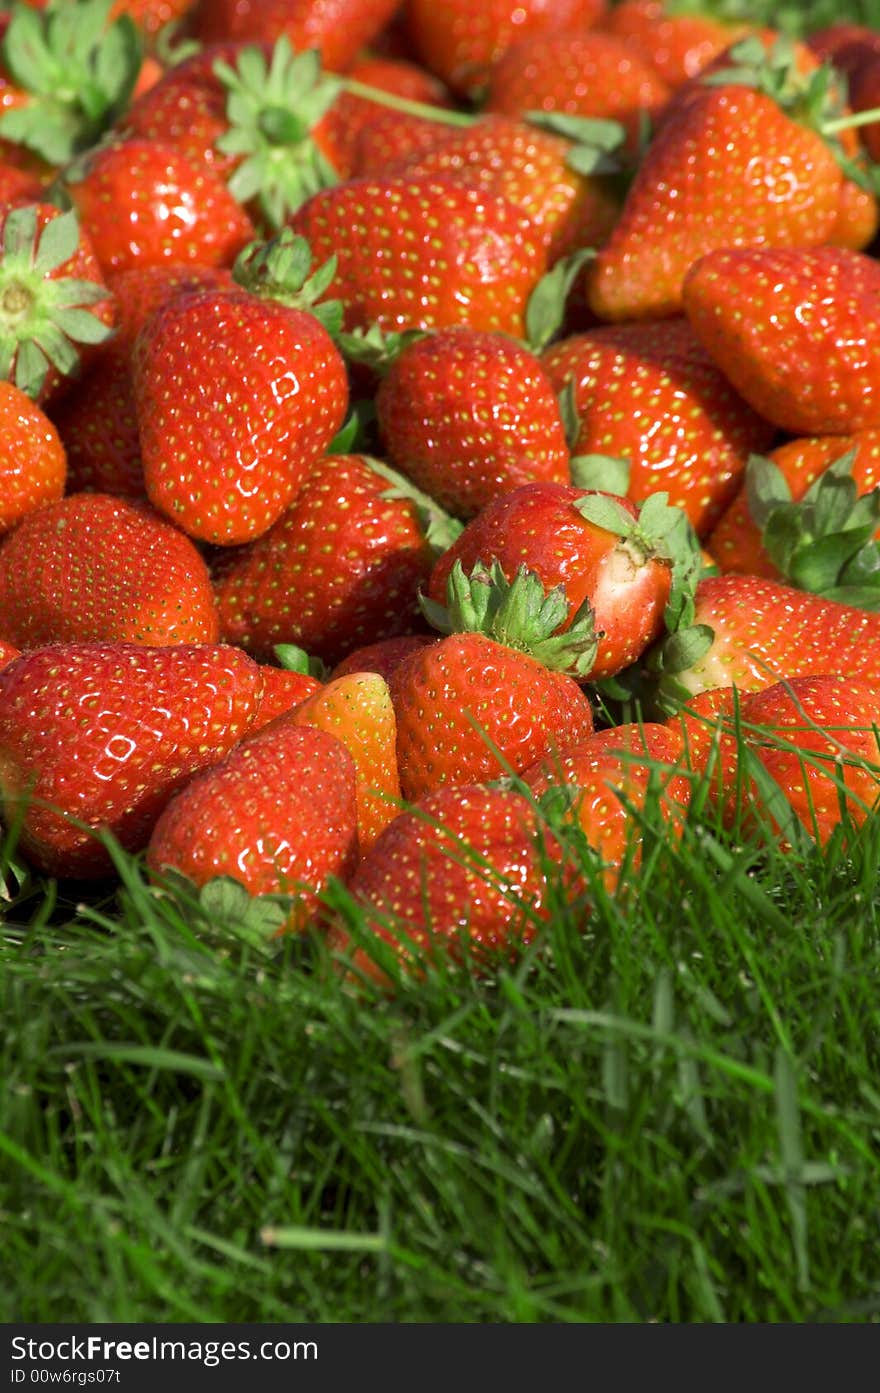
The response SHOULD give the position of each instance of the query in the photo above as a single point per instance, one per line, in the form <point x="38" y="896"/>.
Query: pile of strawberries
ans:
<point x="432" y="435"/>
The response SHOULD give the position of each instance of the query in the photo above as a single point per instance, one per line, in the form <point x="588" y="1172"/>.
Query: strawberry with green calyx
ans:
<point x="278" y="815"/>
<point x="238" y="393"/>
<point x="341" y="567"/>
<point x="54" y="305"/>
<point x="75" y="68"/>
<point x="749" y="632"/>
<point x="500" y="690"/>
<point x="790" y="471"/>
<point x="631" y="566"/>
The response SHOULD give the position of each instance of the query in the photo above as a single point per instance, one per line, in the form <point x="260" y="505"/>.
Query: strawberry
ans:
<point x="341" y="567"/>
<point x="798" y="517"/>
<point x="244" y="378"/>
<point x="677" y="45"/>
<point x="728" y="168"/>
<point x="461" y="44"/>
<point x="283" y="690"/>
<point x="278" y="815"/>
<point x="805" y="749"/>
<point x="33" y="464"/>
<point x="464" y="872"/>
<point x="469" y="415"/>
<point x="98" y="424"/>
<point x="581" y="73"/>
<point x="338" y="29"/>
<point x="165" y="207"/>
<point x="352" y="116"/>
<point x="604" y="553"/>
<point x="498" y="691"/>
<point x="54" y="306"/>
<point x="358" y="710"/>
<point x="8" y="651"/>
<point x="391" y="140"/>
<point x="858" y="218"/>
<point x="152" y="16"/>
<point x="650" y="394"/>
<point x="91" y="568"/>
<point x="614" y="775"/>
<point x="424" y="253"/>
<point x="383" y="656"/>
<point x="99" y="736"/>
<point x="749" y="632"/>
<point x="19" y="185"/>
<point x="797" y="332"/>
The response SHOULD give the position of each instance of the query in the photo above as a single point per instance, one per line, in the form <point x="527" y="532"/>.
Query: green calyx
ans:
<point x="42" y="319"/>
<point x="545" y="311"/>
<point x="441" y="529"/>
<point x="292" y="658"/>
<point x="377" y="348"/>
<point x="77" y="70"/>
<point x="518" y="614"/>
<point x="826" y="541"/>
<point x="281" y="269"/>
<point x="594" y="143"/>
<point x="660" y="532"/>
<point x="273" y="108"/>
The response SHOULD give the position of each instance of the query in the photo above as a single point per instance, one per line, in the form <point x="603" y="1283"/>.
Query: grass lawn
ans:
<point x="667" y="1110"/>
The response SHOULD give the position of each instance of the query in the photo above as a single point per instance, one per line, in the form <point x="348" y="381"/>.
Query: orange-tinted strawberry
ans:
<point x="424" y="253"/>
<point x="152" y="15"/>
<point x="278" y="815"/>
<point x="498" y="692"/>
<point x="651" y="394"/>
<point x="338" y="29"/>
<point x="797" y="332"/>
<point x="92" y="568"/>
<point x="469" y="415"/>
<point x="462" y="873"/>
<point x="283" y="690"/>
<point x="383" y="656"/>
<point x="238" y="392"/>
<point x="677" y="45"/>
<point x="33" y="464"/>
<point x="99" y="736"/>
<point x="341" y="567"/>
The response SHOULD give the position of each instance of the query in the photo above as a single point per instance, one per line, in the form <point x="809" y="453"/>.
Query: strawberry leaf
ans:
<point x="545" y="311"/>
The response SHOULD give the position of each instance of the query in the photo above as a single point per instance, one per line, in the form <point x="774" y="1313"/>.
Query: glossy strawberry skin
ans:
<point x="236" y="398"/>
<point x="278" y="815"/>
<point x="337" y="28"/>
<point x="797" y="331"/>
<point x="450" y="697"/>
<point x="105" y="734"/>
<point x="678" y="46"/>
<point x="93" y="568"/>
<point x="8" y="651"/>
<point x="165" y="208"/>
<point x="727" y="169"/>
<point x="469" y="415"/>
<point x="342" y="567"/>
<point x="538" y="526"/>
<point x="33" y="461"/>
<point x="466" y="868"/>
<point x="651" y="394"/>
<point x="424" y="253"/>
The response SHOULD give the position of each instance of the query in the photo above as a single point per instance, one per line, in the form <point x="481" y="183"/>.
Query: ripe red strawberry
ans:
<point x="677" y="45"/>
<point x="858" y="218"/>
<point x="580" y="73"/>
<point x="461" y="44"/>
<point x="19" y="185"/>
<point x="152" y="15"/>
<point x="749" y="632"/>
<point x="283" y="690"/>
<point x="338" y="29"/>
<point x="599" y="548"/>
<point x="845" y="44"/>
<point x="341" y="567"/>
<point x="424" y="253"/>
<point x="165" y="208"/>
<point x="238" y="392"/>
<point x="99" y="736"/>
<point x="357" y="709"/>
<point x="352" y="116"/>
<point x="92" y="568"/>
<point x="729" y="168"/>
<point x="796" y="331"/>
<point x="7" y="653"/>
<point x="469" y="415"/>
<point x="383" y="656"/>
<point x="33" y="464"/>
<point x="278" y="815"/>
<point x="650" y="394"/>
<point x="56" y="307"/>
<point x="497" y="692"/>
<point x="391" y="140"/>
<point x="808" y="512"/>
<point x="98" y="424"/>
<point x="614" y="774"/>
<point x="807" y="746"/>
<point x="462" y="873"/>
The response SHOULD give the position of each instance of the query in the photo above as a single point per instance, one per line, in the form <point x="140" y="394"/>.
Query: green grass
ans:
<point x="667" y="1110"/>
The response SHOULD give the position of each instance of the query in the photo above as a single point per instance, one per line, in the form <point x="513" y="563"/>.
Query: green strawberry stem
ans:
<point x="518" y="614"/>
<point x="42" y="317"/>
<point x="281" y="269"/>
<point x="441" y="528"/>
<point x="442" y="115"/>
<point x="852" y="121"/>
<point x="77" y="70"/>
